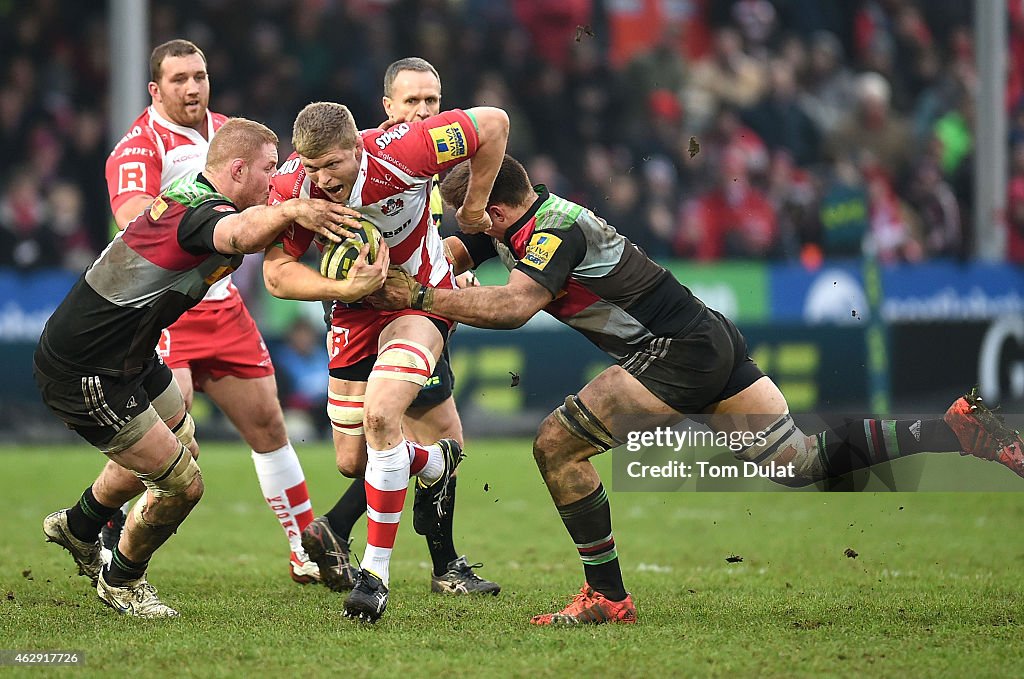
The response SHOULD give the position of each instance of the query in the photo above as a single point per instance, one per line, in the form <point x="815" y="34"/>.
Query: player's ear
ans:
<point x="154" y="89"/>
<point x="237" y="169"/>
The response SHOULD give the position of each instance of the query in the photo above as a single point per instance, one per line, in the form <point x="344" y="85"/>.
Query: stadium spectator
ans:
<point x="874" y="127"/>
<point x="828" y="88"/>
<point x="728" y="77"/>
<point x="933" y="199"/>
<point x="571" y="94"/>
<point x="26" y="239"/>
<point x="892" y="227"/>
<point x="1015" y="206"/>
<point x="779" y="119"/>
<point x="735" y="219"/>
<point x="300" y="361"/>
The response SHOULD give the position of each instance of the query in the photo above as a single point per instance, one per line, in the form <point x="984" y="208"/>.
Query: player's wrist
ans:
<point x="423" y="299"/>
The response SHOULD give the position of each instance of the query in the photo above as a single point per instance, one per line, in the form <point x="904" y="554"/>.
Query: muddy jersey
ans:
<point x="604" y="286"/>
<point x="393" y="190"/>
<point x="154" y="154"/>
<point x="153" y="271"/>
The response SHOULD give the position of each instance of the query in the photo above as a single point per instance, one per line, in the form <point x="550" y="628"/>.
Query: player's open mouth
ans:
<point x="333" y="189"/>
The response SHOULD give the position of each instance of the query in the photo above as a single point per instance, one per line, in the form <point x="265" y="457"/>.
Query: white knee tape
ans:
<point x="186" y="430"/>
<point x="346" y="413"/>
<point x="175" y="477"/>
<point x="782" y="438"/>
<point x="404" y="360"/>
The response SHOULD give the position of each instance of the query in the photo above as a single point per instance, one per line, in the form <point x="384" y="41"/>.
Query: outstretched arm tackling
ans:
<point x="255" y="228"/>
<point x="503" y="307"/>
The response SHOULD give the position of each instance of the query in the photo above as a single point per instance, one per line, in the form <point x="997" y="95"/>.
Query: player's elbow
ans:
<point x="517" y="318"/>
<point x="274" y="281"/>
<point x="495" y="124"/>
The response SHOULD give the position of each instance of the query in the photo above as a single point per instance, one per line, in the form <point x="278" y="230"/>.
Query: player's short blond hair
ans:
<point x="321" y="127"/>
<point x="238" y="138"/>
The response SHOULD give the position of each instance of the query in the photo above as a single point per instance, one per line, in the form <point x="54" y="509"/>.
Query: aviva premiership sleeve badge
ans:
<point x="449" y="142"/>
<point x="540" y="249"/>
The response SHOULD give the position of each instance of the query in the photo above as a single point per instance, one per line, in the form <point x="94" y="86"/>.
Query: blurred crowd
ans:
<point x="702" y="129"/>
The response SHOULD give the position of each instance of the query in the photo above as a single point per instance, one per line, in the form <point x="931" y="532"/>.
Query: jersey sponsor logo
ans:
<point x="132" y="133"/>
<point x="393" y="206"/>
<point x="449" y="142"/>
<point x="224" y="208"/>
<point x="287" y="167"/>
<point x="137" y="151"/>
<point x="158" y="208"/>
<point x="188" y="157"/>
<point x="131" y="177"/>
<point x="396" y="132"/>
<point x="392" y="234"/>
<point x="540" y="249"/>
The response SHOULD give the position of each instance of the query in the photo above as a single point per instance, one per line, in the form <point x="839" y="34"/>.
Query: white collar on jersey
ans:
<point x="355" y="196"/>
<point x="182" y="130"/>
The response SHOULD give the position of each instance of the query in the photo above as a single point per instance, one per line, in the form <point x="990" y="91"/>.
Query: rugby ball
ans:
<point x="337" y="258"/>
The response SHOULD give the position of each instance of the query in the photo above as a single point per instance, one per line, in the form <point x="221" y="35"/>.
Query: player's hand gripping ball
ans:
<point x="337" y="258"/>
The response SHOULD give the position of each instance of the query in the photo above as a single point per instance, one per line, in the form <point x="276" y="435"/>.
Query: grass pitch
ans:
<point x="935" y="588"/>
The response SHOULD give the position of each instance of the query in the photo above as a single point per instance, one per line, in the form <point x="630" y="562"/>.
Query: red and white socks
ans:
<point x="284" y="488"/>
<point x="387" y="481"/>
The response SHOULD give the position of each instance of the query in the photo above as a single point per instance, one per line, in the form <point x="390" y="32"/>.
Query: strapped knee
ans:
<point x="346" y="413"/>
<point x="185" y="431"/>
<point x="784" y="439"/>
<point x="577" y="419"/>
<point x="404" y="360"/>
<point x="169" y="403"/>
<point x="175" y="477"/>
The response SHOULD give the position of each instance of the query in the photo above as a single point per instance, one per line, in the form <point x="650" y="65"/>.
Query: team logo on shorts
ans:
<point x="449" y="142"/>
<point x="540" y="249"/>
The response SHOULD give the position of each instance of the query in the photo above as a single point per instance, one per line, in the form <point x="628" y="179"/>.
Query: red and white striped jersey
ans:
<point x="393" y="190"/>
<point x="153" y="155"/>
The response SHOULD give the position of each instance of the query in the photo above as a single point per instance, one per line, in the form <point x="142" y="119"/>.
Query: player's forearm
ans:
<point x="484" y="164"/>
<point x="253" y="229"/>
<point x="483" y="307"/>
<point x="295" y="280"/>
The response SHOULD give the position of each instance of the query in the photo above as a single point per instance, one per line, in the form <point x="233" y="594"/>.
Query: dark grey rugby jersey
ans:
<point x="159" y="266"/>
<point x="604" y="286"/>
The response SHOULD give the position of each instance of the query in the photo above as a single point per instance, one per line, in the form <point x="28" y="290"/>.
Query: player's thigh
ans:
<point x="407" y="352"/>
<point x="183" y="376"/>
<point x="752" y="409"/>
<point x="428" y="424"/>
